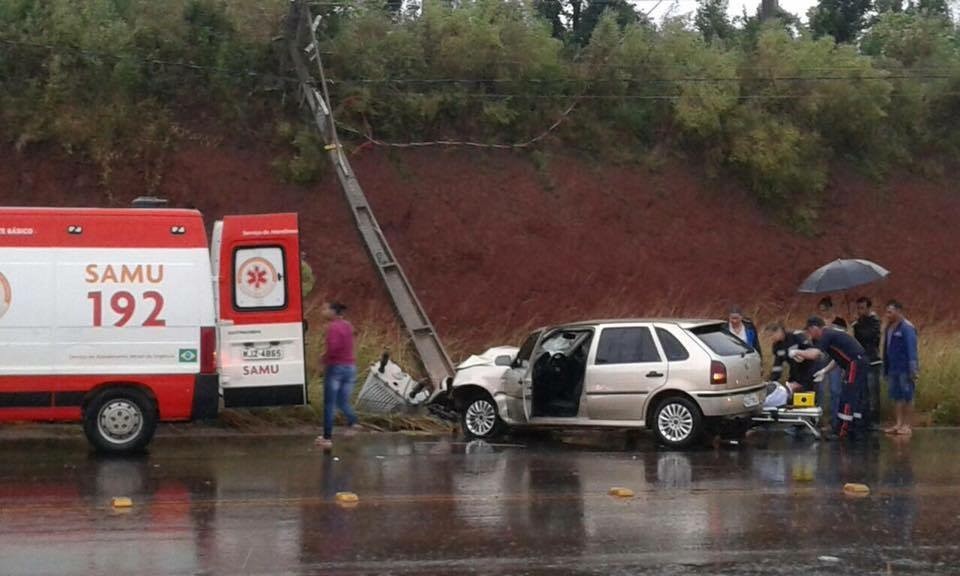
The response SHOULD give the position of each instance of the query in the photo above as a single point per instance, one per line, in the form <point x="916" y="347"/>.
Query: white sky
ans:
<point x="660" y="9"/>
<point x="689" y="7"/>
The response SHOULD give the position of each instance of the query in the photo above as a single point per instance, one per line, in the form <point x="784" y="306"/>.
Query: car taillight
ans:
<point x="208" y="350"/>
<point x="718" y="373"/>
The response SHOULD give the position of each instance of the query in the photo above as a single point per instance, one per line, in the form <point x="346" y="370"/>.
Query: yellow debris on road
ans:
<point x="347" y="498"/>
<point x="859" y="490"/>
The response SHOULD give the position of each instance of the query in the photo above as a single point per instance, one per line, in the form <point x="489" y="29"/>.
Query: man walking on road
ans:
<point x="340" y="371"/>
<point x="844" y="352"/>
<point x="901" y="365"/>
<point x="866" y="329"/>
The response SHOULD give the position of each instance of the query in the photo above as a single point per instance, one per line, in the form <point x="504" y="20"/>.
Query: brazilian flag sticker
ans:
<point x="188" y="355"/>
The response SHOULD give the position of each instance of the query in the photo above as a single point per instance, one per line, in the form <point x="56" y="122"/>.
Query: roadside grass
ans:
<point x="938" y="389"/>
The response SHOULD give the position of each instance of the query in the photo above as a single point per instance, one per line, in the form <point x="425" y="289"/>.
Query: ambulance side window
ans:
<point x="259" y="278"/>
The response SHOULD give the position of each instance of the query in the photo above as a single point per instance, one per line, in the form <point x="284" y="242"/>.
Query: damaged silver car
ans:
<point x="676" y="377"/>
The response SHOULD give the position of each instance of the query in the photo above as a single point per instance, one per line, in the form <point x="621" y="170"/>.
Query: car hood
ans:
<point x="489" y="357"/>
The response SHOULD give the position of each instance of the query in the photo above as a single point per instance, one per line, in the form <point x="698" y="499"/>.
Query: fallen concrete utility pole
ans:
<point x="304" y="49"/>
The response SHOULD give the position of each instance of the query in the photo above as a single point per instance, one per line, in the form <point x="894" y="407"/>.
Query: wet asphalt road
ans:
<point x="261" y="505"/>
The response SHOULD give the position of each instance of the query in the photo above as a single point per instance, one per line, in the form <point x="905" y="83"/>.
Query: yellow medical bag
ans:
<point x="803" y="399"/>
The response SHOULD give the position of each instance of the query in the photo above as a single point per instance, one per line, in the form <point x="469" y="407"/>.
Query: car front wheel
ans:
<point x="479" y="418"/>
<point x="677" y="422"/>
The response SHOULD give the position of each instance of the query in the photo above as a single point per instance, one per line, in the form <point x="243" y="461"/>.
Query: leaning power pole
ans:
<point x="305" y="54"/>
<point x="769" y="9"/>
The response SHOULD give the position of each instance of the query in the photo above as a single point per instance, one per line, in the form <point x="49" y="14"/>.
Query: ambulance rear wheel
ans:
<point x="120" y="420"/>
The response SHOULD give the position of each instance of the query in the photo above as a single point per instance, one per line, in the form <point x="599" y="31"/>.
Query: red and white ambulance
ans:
<point x="121" y="318"/>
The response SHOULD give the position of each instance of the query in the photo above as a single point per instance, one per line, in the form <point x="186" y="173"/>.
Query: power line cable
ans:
<point x="929" y="73"/>
<point x="705" y="79"/>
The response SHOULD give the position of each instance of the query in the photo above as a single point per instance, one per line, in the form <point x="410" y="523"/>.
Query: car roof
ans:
<point x="685" y="323"/>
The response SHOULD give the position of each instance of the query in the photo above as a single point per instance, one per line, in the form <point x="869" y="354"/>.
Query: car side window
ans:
<point x="626" y="346"/>
<point x="672" y="347"/>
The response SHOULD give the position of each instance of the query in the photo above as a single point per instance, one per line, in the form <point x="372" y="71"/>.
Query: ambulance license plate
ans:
<point x="262" y="354"/>
<point x="751" y="400"/>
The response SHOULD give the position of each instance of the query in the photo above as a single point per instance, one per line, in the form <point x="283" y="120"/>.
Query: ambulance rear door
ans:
<point x="261" y="329"/>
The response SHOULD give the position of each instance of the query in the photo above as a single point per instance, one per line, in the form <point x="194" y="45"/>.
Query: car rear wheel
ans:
<point x="120" y="420"/>
<point x="479" y="418"/>
<point x="677" y="422"/>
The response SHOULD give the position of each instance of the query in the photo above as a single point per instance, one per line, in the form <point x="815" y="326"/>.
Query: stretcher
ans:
<point x="808" y="416"/>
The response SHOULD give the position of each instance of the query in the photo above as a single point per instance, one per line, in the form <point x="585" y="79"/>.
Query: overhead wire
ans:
<point x="930" y="73"/>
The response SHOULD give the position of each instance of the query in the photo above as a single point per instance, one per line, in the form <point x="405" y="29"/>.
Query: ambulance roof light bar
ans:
<point x="149" y="202"/>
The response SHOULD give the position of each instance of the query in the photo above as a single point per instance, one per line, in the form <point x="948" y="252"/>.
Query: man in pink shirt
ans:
<point x="340" y="371"/>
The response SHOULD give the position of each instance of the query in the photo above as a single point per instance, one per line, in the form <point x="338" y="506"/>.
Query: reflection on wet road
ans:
<point x="435" y="506"/>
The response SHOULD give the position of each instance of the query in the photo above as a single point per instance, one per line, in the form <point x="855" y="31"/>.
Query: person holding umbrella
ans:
<point x="867" y="329"/>
<point x="825" y="306"/>
<point x="844" y="352"/>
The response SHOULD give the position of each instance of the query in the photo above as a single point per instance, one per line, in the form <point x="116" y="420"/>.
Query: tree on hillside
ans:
<point x="844" y="20"/>
<point x="931" y="8"/>
<point x="573" y="21"/>
<point x="712" y="20"/>
<point x="886" y="6"/>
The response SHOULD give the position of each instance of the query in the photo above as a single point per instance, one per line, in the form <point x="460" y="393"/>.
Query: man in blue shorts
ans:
<point x="844" y="352"/>
<point x="901" y="365"/>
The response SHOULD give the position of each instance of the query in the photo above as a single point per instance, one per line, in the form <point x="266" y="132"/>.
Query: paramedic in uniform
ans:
<point x="784" y="343"/>
<point x="844" y="352"/>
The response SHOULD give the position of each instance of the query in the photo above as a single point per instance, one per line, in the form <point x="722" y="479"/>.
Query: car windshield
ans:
<point x="526" y="349"/>
<point x="721" y="340"/>
<point x="560" y="342"/>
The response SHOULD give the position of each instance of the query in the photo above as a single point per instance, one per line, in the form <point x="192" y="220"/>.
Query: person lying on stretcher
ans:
<point x="780" y="395"/>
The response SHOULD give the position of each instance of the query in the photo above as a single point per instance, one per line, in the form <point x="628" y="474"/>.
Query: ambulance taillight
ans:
<point x="208" y="350"/>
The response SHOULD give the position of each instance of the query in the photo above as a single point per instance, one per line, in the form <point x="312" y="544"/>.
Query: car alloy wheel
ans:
<point x="481" y="417"/>
<point x="675" y="422"/>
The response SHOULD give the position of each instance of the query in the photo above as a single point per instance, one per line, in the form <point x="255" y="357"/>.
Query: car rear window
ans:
<point x="672" y="347"/>
<point x="626" y="346"/>
<point x="721" y="341"/>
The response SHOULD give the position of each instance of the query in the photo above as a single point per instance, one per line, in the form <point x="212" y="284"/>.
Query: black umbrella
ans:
<point x="841" y="275"/>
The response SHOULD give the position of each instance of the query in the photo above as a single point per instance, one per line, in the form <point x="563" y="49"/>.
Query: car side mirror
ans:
<point x="306" y="326"/>
<point x="503" y="360"/>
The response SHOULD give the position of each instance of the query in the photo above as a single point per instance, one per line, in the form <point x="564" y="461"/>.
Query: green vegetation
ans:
<point x="116" y="79"/>
<point x="938" y="392"/>
<point x="774" y="104"/>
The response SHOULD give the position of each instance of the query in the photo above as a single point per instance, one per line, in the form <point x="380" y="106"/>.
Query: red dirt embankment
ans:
<point x="492" y="244"/>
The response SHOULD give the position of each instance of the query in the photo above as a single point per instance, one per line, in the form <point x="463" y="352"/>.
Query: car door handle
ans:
<point x="654" y="374"/>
